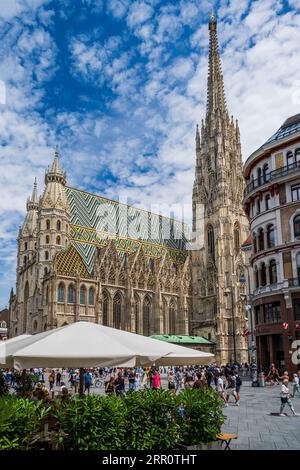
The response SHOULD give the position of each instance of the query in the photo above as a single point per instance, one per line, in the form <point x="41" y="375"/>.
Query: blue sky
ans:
<point x="119" y="85"/>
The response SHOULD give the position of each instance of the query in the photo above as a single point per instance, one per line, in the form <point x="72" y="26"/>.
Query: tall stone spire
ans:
<point x="216" y="101"/>
<point x="55" y="180"/>
<point x="33" y="203"/>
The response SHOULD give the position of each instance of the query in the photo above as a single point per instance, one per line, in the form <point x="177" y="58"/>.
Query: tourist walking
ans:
<point x="120" y="385"/>
<point x="156" y="380"/>
<point x="285" y="397"/>
<point x="171" y="381"/>
<point x="238" y="384"/>
<point x="51" y="379"/>
<point x="220" y="389"/>
<point x="296" y="385"/>
<point x="230" y="390"/>
<point x="58" y="378"/>
<point x="87" y="381"/>
<point x="131" y="380"/>
<point x="144" y="380"/>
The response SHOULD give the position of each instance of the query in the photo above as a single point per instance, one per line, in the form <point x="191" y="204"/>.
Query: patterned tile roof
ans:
<point x="68" y="261"/>
<point x="95" y="220"/>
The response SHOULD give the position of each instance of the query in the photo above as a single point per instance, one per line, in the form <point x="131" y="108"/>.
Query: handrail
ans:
<point x="271" y="176"/>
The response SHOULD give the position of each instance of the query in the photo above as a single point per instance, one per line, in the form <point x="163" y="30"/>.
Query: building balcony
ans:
<point x="294" y="282"/>
<point x="271" y="177"/>
<point x="271" y="288"/>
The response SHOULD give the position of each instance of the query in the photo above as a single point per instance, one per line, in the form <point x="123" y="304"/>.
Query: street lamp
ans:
<point x="227" y="292"/>
<point x="253" y="347"/>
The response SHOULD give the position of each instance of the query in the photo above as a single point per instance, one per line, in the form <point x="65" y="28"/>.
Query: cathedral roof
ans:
<point x="69" y="261"/>
<point x="95" y="220"/>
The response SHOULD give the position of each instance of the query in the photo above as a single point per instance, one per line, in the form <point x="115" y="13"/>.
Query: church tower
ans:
<point x="219" y="298"/>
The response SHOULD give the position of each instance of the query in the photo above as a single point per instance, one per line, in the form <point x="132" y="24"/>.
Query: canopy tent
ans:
<point x="85" y="344"/>
<point x="10" y="346"/>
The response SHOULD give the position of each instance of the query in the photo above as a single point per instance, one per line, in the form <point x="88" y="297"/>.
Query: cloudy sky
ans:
<point x="119" y="85"/>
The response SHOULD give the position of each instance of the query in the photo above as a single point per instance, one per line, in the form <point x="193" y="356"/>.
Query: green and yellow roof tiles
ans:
<point x="95" y="220"/>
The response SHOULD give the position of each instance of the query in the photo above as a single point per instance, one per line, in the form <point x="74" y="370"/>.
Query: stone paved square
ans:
<point x="256" y="427"/>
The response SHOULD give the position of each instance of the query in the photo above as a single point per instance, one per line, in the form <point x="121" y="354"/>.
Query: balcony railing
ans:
<point x="294" y="282"/>
<point x="270" y="177"/>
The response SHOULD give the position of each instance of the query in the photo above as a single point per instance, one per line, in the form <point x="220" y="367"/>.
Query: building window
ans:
<point x="35" y="325"/>
<point x="105" y="305"/>
<point x="82" y="295"/>
<point x="259" y="176"/>
<point x="46" y="255"/>
<point x="272" y="312"/>
<point x="267" y="201"/>
<point x="47" y="295"/>
<point x="266" y="172"/>
<point x="270" y="236"/>
<point x="256" y="279"/>
<point x="289" y="159"/>
<point x="273" y="271"/>
<point x="296" y="223"/>
<point x="296" y="308"/>
<point x="58" y="225"/>
<point x="61" y="293"/>
<point x="117" y="311"/>
<point x="25" y="260"/>
<point x="172" y="317"/>
<point x="297" y="156"/>
<point x="25" y="246"/>
<point x="48" y="224"/>
<point x="256" y="314"/>
<point x="263" y="275"/>
<point x="237" y="243"/>
<point x="254" y="242"/>
<point x="146" y="316"/>
<point x="211" y="241"/>
<point x="71" y="294"/>
<point x="261" y="239"/>
<point x="295" y="192"/>
<point x="257" y="206"/>
<point x="58" y="240"/>
<point x="136" y="313"/>
<point x="47" y="239"/>
<point x="91" y="296"/>
<point x="45" y="271"/>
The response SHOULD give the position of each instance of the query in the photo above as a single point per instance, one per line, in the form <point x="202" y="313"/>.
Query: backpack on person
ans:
<point x="238" y="381"/>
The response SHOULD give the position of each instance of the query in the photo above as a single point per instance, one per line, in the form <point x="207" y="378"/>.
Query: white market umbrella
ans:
<point x="85" y="345"/>
<point x="10" y="346"/>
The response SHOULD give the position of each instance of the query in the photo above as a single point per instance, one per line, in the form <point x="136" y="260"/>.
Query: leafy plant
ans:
<point x="3" y="385"/>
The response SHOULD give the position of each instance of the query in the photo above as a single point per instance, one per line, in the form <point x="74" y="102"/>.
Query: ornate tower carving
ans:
<point x="218" y="291"/>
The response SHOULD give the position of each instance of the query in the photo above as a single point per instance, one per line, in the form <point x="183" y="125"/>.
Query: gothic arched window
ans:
<point x="146" y="316"/>
<point x="237" y="242"/>
<point x="82" y="295"/>
<point x="211" y="241"/>
<point x="46" y="255"/>
<point x="91" y="296"/>
<point x="117" y="309"/>
<point x="172" y="317"/>
<point x="47" y="239"/>
<point x="58" y="240"/>
<point x="58" y="225"/>
<point x="48" y="224"/>
<point x="297" y="156"/>
<point x="296" y="223"/>
<point x="256" y="278"/>
<point x="61" y="293"/>
<point x="273" y="271"/>
<point x="137" y="306"/>
<point x="105" y="308"/>
<point x="270" y="236"/>
<point x="259" y="176"/>
<point x="71" y="294"/>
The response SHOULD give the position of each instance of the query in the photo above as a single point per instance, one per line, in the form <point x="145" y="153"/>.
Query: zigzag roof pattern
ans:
<point x="96" y="219"/>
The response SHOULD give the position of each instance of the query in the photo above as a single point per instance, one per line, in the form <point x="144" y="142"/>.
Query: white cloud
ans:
<point x="139" y="12"/>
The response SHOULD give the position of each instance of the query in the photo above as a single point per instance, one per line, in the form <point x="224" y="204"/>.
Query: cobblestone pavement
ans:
<point x="257" y="423"/>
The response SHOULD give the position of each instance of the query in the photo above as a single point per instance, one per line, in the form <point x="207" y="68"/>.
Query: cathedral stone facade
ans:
<point x="84" y="257"/>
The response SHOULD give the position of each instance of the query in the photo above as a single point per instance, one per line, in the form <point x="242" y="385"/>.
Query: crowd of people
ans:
<point x="226" y="380"/>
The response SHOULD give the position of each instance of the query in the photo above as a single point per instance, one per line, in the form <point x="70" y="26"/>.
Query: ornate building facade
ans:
<point x="84" y="257"/>
<point x="81" y="256"/>
<point x="219" y="298"/>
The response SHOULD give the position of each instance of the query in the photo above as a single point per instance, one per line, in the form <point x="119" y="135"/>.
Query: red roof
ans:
<point x="248" y="241"/>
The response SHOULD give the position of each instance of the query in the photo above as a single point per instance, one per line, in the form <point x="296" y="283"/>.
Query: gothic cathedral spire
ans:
<point x="217" y="194"/>
<point x="216" y="101"/>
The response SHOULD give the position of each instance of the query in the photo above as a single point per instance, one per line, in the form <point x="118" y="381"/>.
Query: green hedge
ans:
<point x="142" y="420"/>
